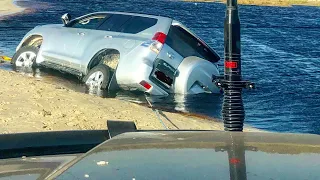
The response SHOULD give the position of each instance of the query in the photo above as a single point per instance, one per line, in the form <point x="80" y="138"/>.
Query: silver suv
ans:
<point x="107" y="50"/>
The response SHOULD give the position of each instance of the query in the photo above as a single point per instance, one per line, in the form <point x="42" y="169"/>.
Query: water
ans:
<point x="280" y="45"/>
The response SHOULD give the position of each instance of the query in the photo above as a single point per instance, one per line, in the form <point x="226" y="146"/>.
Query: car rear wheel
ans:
<point x="98" y="77"/>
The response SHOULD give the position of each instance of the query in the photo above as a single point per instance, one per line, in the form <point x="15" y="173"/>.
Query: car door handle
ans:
<point x="81" y="33"/>
<point x="107" y="36"/>
<point x="170" y="55"/>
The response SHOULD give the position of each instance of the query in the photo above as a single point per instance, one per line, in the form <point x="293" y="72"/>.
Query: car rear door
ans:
<point x="86" y="30"/>
<point x="180" y="43"/>
<point x="105" y="34"/>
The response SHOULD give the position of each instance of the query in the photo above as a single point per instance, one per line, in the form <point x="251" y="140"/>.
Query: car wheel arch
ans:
<point x="98" y="57"/>
<point x="33" y="40"/>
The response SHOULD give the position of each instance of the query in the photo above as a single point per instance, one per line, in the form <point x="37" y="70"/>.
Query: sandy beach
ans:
<point x="30" y="105"/>
<point x="8" y="7"/>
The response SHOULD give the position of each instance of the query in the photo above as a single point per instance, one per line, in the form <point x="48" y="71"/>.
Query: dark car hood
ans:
<point x="200" y="155"/>
<point x="27" y="168"/>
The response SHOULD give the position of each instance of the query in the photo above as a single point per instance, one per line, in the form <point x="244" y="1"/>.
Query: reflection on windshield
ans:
<point x="203" y="155"/>
<point x="16" y="176"/>
<point x="236" y="157"/>
<point x="30" y="168"/>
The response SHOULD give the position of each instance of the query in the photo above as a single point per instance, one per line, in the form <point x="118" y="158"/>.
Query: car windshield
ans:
<point x="185" y="65"/>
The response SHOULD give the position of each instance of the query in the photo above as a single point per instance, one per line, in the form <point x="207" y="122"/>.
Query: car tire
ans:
<point x="25" y="57"/>
<point x="99" y="76"/>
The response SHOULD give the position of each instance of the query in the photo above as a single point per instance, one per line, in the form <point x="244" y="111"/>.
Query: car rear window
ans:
<point x="114" y="22"/>
<point x="187" y="45"/>
<point x="138" y="24"/>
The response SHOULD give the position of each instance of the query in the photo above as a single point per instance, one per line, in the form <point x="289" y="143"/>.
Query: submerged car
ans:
<point x="108" y="50"/>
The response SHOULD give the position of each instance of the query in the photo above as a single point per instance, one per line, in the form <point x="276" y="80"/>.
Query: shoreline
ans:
<point x="279" y="3"/>
<point x="31" y="105"/>
<point x="9" y="7"/>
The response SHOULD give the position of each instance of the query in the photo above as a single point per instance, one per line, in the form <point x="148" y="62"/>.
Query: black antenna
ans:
<point x="232" y="111"/>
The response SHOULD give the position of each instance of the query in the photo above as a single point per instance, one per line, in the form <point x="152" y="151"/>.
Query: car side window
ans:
<point x="91" y="22"/>
<point x="138" y="24"/>
<point x="114" y="22"/>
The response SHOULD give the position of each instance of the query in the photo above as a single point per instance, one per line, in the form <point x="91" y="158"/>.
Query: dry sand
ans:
<point x="8" y="7"/>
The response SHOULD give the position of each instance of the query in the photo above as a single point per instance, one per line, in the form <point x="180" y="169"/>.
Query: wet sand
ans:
<point x="31" y="105"/>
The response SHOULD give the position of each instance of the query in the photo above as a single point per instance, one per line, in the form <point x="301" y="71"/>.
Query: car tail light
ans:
<point x="159" y="39"/>
<point x="145" y="85"/>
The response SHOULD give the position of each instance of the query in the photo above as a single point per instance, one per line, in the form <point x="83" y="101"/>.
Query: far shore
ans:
<point x="8" y="7"/>
<point x="269" y="2"/>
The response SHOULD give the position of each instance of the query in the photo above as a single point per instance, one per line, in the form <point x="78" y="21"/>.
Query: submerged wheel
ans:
<point x="98" y="77"/>
<point x="25" y="57"/>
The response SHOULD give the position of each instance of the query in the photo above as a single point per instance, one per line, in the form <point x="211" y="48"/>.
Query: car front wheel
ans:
<point x="98" y="77"/>
<point x="25" y="57"/>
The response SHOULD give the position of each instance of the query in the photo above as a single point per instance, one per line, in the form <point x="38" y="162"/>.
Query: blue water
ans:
<point x="280" y="45"/>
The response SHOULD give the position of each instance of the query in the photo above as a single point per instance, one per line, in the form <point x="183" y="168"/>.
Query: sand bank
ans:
<point x="8" y="7"/>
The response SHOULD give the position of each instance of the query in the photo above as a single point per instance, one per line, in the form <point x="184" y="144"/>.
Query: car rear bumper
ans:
<point x="139" y="74"/>
<point x="193" y="76"/>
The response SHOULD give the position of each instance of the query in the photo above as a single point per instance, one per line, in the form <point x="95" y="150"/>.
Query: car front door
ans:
<point x="60" y="46"/>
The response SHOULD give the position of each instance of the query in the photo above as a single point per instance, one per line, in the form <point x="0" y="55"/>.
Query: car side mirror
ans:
<point x="66" y="18"/>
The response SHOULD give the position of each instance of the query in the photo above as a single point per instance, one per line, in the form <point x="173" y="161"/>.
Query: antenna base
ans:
<point x="233" y="113"/>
